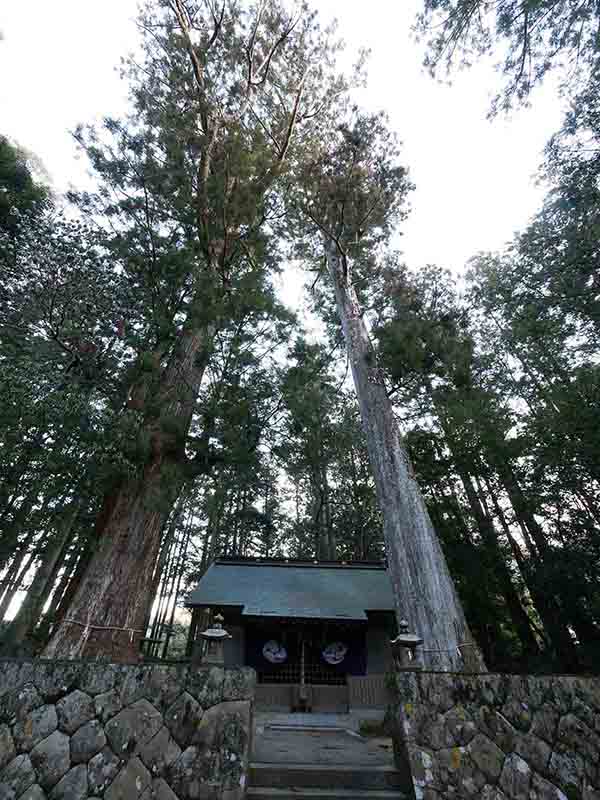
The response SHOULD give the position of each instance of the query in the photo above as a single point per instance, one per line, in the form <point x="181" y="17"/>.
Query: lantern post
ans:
<point x="215" y="637"/>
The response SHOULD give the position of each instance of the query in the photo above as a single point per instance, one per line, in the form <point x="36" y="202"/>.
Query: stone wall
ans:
<point x="73" y="730"/>
<point x="499" y="737"/>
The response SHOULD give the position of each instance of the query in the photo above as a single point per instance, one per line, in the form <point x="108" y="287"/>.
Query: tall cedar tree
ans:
<point x="353" y="192"/>
<point x="225" y="99"/>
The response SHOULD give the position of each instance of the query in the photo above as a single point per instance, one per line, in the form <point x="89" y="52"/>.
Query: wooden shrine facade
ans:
<point x="301" y="624"/>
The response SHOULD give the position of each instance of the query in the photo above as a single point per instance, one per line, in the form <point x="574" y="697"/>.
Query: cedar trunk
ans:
<point x="115" y="590"/>
<point x="423" y="589"/>
<point x="106" y="616"/>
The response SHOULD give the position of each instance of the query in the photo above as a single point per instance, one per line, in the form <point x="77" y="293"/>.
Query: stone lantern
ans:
<point x="406" y="649"/>
<point x="214" y="638"/>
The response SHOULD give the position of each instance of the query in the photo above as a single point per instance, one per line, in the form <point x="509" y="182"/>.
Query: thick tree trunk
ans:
<point x="423" y="589"/>
<point x="107" y="614"/>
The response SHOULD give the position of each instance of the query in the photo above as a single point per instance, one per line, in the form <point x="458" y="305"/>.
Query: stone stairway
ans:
<point x="324" y="782"/>
<point x="321" y="762"/>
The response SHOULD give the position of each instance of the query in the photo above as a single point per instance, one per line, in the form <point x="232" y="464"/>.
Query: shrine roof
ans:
<point x="291" y="588"/>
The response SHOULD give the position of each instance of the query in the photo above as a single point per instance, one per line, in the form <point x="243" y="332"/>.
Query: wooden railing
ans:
<point x="369" y="691"/>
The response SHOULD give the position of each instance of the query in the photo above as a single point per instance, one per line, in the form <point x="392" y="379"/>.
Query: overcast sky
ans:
<point x="474" y="178"/>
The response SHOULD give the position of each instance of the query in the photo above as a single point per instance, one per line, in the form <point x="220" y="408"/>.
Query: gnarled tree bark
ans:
<point x="107" y="614"/>
<point x="423" y="588"/>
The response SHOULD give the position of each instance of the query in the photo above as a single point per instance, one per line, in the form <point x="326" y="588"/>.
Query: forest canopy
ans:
<point x="160" y="406"/>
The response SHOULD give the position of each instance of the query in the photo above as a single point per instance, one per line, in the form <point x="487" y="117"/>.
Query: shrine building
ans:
<point x="317" y="633"/>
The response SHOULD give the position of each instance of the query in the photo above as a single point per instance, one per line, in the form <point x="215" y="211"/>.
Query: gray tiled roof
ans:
<point x="295" y="590"/>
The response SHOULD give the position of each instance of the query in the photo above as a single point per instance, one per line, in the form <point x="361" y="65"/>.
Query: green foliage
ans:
<point x="112" y="332"/>
<point x="533" y="36"/>
<point x="20" y="193"/>
<point x="503" y="385"/>
<point x="352" y="190"/>
<point x="324" y="457"/>
<point x="227" y="163"/>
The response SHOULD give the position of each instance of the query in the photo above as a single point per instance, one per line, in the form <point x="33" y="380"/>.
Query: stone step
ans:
<point x="325" y="776"/>
<point x="303" y="793"/>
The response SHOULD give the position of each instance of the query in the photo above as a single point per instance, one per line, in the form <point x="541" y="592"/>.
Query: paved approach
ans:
<point x="277" y="743"/>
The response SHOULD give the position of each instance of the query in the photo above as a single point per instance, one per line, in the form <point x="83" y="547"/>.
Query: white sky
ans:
<point x="474" y="178"/>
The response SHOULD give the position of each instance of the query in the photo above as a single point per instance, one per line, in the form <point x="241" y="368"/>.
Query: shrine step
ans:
<point x="302" y="793"/>
<point x="330" y="777"/>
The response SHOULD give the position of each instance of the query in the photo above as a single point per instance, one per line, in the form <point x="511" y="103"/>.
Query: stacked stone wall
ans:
<point x="74" y="730"/>
<point x="499" y="737"/>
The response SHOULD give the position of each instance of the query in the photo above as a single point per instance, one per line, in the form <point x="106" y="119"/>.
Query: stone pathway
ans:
<point x="316" y="739"/>
<point x="350" y="721"/>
